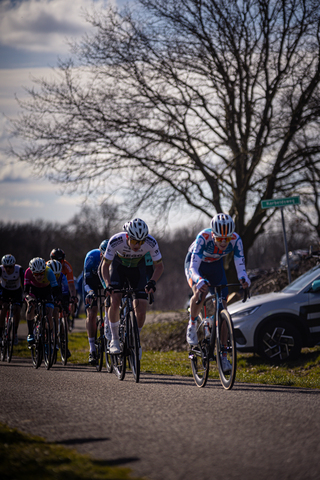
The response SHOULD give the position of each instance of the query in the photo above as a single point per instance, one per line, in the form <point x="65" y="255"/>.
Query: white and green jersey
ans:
<point x="118" y="246"/>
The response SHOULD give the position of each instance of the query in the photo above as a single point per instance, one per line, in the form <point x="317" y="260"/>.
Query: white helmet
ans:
<point x="222" y="225"/>
<point x="37" y="265"/>
<point x="136" y="229"/>
<point x="8" y="260"/>
<point x="55" y="266"/>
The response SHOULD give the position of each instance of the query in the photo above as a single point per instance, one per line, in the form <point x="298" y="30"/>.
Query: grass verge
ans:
<point x="26" y="457"/>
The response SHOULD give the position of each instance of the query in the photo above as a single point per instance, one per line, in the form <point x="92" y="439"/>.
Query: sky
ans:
<point x="33" y="36"/>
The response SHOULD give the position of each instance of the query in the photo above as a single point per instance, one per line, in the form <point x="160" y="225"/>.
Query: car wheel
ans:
<point x="279" y="341"/>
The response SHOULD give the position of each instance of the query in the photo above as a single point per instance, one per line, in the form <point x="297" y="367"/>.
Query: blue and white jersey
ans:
<point x="63" y="284"/>
<point x="91" y="279"/>
<point x="204" y="249"/>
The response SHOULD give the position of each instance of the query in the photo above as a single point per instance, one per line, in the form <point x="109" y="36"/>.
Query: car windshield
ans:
<point x="303" y="280"/>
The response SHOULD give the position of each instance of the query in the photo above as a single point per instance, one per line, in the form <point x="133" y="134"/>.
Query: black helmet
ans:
<point x="57" y="254"/>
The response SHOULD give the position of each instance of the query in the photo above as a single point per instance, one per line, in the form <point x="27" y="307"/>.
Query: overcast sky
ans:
<point x="33" y="34"/>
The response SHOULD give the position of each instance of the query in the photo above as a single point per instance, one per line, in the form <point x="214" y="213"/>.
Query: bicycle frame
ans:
<point x="42" y="336"/>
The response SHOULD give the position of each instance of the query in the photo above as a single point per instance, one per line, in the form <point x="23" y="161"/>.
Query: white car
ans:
<point x="277" y="325"/>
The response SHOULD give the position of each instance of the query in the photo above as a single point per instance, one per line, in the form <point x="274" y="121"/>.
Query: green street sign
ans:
<point x="280" y="202"/>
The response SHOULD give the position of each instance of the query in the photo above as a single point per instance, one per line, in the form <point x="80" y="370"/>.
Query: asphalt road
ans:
<point x="166" y="427"/>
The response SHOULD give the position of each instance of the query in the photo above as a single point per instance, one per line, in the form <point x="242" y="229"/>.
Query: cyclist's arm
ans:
<point x="239" y="263"/>
<point x="158" y="270"/>
<point x="105" y="273"/>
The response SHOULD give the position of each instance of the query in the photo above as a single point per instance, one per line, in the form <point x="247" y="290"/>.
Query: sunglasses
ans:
<point x="221" y="239"/>
<point x="137" y="242"/>
<point x="38" y="274"/>
<point x="9" y="267"/>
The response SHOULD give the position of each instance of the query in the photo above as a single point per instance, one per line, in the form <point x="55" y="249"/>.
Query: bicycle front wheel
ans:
<point x="133" y="346"/>
<point x="199" y="356"/>
<point x="10" y="338"/>
<point x="3" y="345"/>
<point x="226" y="351"/>
<point x="47" y="345"/>
<point x="64" y="340"/>
<point x="36" y="348"/>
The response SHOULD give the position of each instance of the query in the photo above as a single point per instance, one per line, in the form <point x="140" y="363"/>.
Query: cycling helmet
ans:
<point x="136" y="229"/>
<point x="222" y="225"/>
<point x="37" y="265"/>
<point x="55" y="266"/>
<point x="57" y="254"/>
<point x="103" y="246"/>
<point x="8" y="260"/>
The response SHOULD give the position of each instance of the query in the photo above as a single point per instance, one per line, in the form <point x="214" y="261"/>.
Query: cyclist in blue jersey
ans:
<point x="204" y="266"/>
<point x="91" y="286"/>
<point x="124" y="261"/>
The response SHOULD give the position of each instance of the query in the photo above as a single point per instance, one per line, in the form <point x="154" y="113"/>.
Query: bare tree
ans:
<point x="210" y="103"/>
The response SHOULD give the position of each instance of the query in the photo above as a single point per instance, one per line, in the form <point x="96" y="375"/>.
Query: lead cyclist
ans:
<point x="204" y="267"/>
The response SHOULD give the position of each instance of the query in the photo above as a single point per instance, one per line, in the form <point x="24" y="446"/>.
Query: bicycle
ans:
<point x="128" y="336"/>
<point x="100" y="338"/>
<point x="210" y="344"/>
<point x="61" y="336"/>
<point x="7" y="339"/>
<point x="42" y="346"/>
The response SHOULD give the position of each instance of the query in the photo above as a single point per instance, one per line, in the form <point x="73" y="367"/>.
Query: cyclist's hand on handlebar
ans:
<point x="90" y="297"/>
<point x="202" y="285"/>
<point x="150" y="287"/>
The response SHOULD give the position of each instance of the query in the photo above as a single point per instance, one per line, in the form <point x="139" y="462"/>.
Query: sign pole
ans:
<point x="280" y="203"/>
<point x="285" y="244"/>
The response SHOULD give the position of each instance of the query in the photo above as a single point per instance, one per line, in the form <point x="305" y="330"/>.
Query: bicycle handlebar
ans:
<point x="246" y="291"/>
<point x="125" y="291"/>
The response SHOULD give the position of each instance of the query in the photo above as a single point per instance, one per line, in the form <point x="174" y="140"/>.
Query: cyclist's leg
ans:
<point x="196" y="304"/>
<point x="117" y="279"/>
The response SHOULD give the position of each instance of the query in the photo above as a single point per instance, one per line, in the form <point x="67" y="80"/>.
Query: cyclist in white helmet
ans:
<point x="204" y="266"/>
<point x="40" y="283"/>
<point x="11" y="287"/>
<point x="124" y="260"/>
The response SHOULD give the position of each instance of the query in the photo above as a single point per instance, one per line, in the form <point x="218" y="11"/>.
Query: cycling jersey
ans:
<point x="67" y="271"/>
<point x="11" y="281"/>
<point x="49" y="278"/>
<point x="204" y="249"/>
<point x="91" y="279"/>
<point x="118" y="246"/>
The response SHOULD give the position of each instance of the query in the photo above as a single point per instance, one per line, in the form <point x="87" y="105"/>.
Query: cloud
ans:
<point x="24" y="203"/>
<point x="43" y="25"/>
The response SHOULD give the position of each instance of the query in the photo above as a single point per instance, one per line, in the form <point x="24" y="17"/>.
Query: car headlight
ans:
<point x="244" y="313"/>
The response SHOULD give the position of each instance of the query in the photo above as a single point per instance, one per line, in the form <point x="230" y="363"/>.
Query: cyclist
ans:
<point x="40" y="283"/>
<point x="204" y="266"/>
<point x="91" y="286"/>
<point x="58" y="254"/>
<point x="11" y="281"/>
<point x="124" y="260"/>
<point x="56" y="267"/>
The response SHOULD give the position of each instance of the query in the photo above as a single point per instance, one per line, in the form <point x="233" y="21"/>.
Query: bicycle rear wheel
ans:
<point x="107" y="355"/>
<point x="226" y="349"/>
<point x="47" y="344"/>
<point x="54" y="342"/>
<point x="10" y="337"/>
<point x="133" y="346"/>
<point x="199" y="356"/>
<point x="99" y="345"/>
<point x="64" y="340"/>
